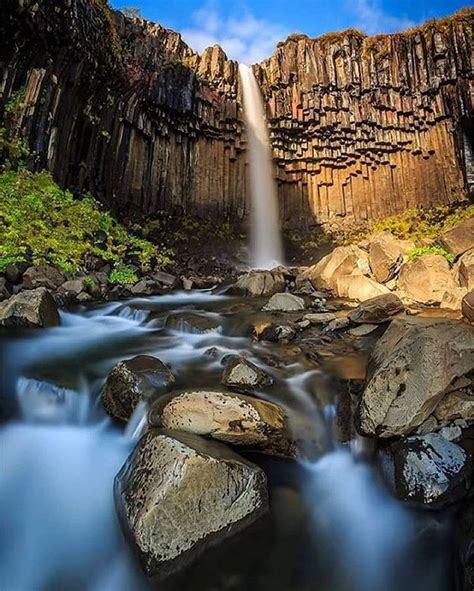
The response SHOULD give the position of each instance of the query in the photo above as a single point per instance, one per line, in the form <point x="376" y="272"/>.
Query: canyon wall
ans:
<point x="361" y="127"/>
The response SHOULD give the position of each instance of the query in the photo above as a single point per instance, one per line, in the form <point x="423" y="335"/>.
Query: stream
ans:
<point x="333" y="526"/>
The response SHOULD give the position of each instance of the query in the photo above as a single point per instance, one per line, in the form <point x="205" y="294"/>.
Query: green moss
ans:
<point x="123" y="276"/>
<point x="41" y="222"/>
<point x="416" y="253"/>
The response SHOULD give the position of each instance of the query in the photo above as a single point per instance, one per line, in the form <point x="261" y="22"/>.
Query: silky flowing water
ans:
<point x="332" y="527"/>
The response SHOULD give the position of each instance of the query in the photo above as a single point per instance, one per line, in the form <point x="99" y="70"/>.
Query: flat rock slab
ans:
<point x="178" y="493"/>
<point x="319" y="318"/>
<point x="236" y="419"/>
<point x="33" y="308"/>
<point x="377" y="310"/>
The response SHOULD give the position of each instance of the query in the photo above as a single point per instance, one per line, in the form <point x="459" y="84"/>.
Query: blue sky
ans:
<point x="248" y="30"/>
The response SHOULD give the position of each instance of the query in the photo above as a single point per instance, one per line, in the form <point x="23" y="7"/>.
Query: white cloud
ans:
<point x="372" y="19"/>
<point x="242" y="36"/>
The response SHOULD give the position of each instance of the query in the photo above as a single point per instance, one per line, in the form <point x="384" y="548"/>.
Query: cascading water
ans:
<point x="266" y="245"/>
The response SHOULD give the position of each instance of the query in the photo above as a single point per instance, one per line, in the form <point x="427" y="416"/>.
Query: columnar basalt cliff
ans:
<point x="361" y="127"/>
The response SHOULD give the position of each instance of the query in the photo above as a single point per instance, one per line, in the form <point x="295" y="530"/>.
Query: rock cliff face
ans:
<point x="361" y="127"/>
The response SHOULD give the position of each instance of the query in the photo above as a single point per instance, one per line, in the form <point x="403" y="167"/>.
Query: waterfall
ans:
<point x="266" y="244"/>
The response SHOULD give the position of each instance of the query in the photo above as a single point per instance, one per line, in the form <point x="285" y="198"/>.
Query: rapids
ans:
<point x="333" y="526"/>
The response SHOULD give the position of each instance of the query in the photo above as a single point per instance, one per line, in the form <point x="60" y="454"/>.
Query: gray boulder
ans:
<point x="31" y="308"/>
<point x="412" y="367"/>
<point x="192" y="323"/>
<point x="428" y="470"/>
<point x="42" y="276"/>
<point x="260" y="283"/>
<point x="241" y="374"/>
<point x="177" y="494"/>
<point x="140" y="378"/>
<point x="284" y="302"/>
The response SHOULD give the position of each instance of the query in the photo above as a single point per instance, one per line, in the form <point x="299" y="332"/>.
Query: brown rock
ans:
<point x="236" y="419"/>
<point x="464" y="270"/>
<point x="42" y="276"/>
<point x="359" y="287"/>
<point x="386" y="255"/>
<point x="467" y="306"/>
<point x="426" y="279"/>
<point x="460" y="238"/>
<point x="376" y="310"/>
<point x="243" y="375"/>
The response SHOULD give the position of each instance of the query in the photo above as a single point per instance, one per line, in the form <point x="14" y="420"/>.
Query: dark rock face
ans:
<point x="29" y="309"/>
<point x="179" y="478"/>
<point x="360" y="126"/>
<point x="139" y="378"/>
<point x="429" y="470"/>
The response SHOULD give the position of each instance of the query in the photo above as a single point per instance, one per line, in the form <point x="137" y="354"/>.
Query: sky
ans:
<point x="248" y="30"/>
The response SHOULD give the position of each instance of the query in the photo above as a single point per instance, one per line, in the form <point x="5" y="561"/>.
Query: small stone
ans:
<point x="320" y="318"/>
<point x="241" y="374"/>
<point x="451" y="432"/>
<point x="284" y="302"/>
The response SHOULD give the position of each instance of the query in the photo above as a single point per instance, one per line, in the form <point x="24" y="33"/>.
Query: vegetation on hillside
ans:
<point x="42" y="223"/>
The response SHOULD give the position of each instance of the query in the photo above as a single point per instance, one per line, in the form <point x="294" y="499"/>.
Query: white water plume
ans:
<point x="267" y="251"/>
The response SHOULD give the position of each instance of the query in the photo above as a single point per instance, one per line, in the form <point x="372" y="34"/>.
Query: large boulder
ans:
<point x="467" y="306"/>
<point x="243" y="375"/>
<point x="359" y="287"/>
<point x="464" y="270"/>
<point x="428" y="470"/>
<point x="456" y="405"/>
<point x="260" y="283"/>
<point x="284" y="302"/>
<point x="33" y="308"/>
<point x="386" y="254"/>
<point x="460" y="238"/>
<point x="42" y="276"/>
<point x="232" y="418"/>
<point x="140" y="378"/>
<point x="426" y="279"/>
<point x="412" y="367"/>
<point x="177" y="494"/>
<point x="343" y="260"/>
<point x="377" y="310"/>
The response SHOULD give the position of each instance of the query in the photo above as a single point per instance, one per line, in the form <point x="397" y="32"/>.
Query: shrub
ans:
<point x="41" y="222"/>
<point x="123" y="276"/>
<point x="418" y="252"/>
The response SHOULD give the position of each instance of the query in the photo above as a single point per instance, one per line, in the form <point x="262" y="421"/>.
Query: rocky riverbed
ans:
<point x="276" y="436"/>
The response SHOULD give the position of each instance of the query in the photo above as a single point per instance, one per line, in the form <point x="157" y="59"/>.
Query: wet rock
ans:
<point x="141" y="378"/>
<point x="465" y="547"/>
<point x="284" y="302"/>
<point x="319" y="318"/>
<point x="359" y="287"/>
<point x="343" y="260"/>
<point x="412" y="367"/>
<point x="428" y="470"/>
<point x="178" y="494"/>
<point x="42" y="276"/>
<point x="31" y="308"/>
<point x="377" y="310"/>
<point x="464" y="270"/>
<point x="451" y="432"/>
<point x="426" y="279"/>
<point x="278" y="333"/>
<point x="236" y="419"/>
<point x="5" y="289"/>
<point x="260" y="283"/>
<point x="145" y="287"/>
<point x="386" y="255"/>
<point x="187" y="283"/>
<point x="192" y="323"/>
<point x="467" y="306"/>
<point x="14" y="272"/>
<point x="165" y="278"/>
<point x="337" y="324"/>
<point x="460" y="238"/>
<point x="241" y="374"/>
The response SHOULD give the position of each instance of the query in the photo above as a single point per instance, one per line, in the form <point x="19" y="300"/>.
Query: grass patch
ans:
<point x="123" y="276"/>
<point x="42" y="223"/>
<point x="416" y="253"/>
